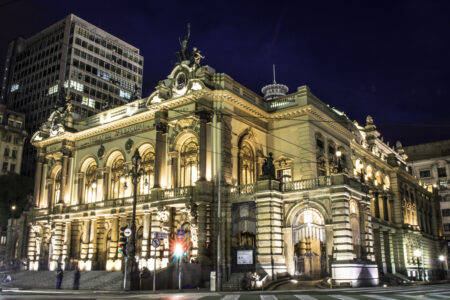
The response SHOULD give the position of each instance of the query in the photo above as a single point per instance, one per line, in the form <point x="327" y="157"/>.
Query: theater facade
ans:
<point x="303" y="190"/>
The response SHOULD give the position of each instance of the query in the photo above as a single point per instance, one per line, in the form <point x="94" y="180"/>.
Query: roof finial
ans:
<point x="274" y="74"/>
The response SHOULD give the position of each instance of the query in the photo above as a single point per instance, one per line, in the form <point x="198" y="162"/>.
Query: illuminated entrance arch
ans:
<point x="308" y="229"/>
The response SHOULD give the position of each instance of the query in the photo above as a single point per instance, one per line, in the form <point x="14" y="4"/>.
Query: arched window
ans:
<point x="247" y="165"/>
<point x="189" y="162"/>
<point x="118" y="180"/>
<point x="147" y="164"/>
<point x="90" y="188"/>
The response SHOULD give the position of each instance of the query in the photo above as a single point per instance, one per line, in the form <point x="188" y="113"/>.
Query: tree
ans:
<point x="14" y="191"/>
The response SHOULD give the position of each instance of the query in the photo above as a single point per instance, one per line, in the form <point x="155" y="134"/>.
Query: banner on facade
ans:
<point x="244" y="257"/>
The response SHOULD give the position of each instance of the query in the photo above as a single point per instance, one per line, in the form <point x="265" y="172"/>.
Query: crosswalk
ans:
<point x="421" y="292"/>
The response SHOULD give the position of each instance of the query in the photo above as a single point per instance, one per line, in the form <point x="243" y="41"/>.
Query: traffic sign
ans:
<point x="156" y="243"/>
<point x="160" y="235"/>
<point x="127" y="232"/>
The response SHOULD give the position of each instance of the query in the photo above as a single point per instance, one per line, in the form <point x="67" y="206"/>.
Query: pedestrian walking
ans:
<point x="59" y="277"/>
<point x="76" y="278"/>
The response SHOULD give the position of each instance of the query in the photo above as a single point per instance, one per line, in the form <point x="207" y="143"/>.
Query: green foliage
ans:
<point x="14" y="190"/>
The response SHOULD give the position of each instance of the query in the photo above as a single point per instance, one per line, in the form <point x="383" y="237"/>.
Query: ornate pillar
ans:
<point x="160" y="151"/>
<point x="114" y="238"/>
<point x="67" y="240"/>
<point x="269" y="235"/>
<point x="342" y="234"/>
<point x="57" y="244"/>
<point x="106" y="175"/>
<point x="146" y="236"/>
<point x="385" y="208"/>
<point x="64" y="163"/>
<point x="202" y="233"/>
<point x="174" y="169"/>
<point x="69" y="180"/>
<point x="377" y="205"/>
<point x="85" y="241"/>
<point x="99" y="190"/>
<point x="43" y="183"/>
<point x="204" y="117"/>
<point x="92" y="256"/>
<point x="38" y="179"/>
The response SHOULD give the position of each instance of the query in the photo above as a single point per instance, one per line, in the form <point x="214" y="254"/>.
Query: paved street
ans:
<point x="429" y="292"/>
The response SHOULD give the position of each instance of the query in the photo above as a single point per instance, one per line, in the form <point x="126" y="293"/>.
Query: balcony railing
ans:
<point x="246" y="189"/>
<point x="178" y="192"/>
<point x="306" y="184"/>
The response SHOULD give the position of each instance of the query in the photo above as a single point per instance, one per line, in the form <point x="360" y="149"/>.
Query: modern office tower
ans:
<point x="12" y="137"/>
<point x="97" y="69"/>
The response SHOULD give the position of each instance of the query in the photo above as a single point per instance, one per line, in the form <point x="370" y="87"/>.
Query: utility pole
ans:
<point x="218" y="146"/>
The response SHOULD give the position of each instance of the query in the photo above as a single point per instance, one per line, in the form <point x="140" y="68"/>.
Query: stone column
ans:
<point x="202" y="234"/>
<point x="269" y="235"/>
<point x="174" y="170"/>
<point x="105" y="189"/>
<point x="84" y="255"/>
<point x="99" y="191"/>
<point x="67" y="240"/>
<point x="32" y="250"/>
<point x="155" y="227"/>
<point x="58" y="238"/>
<point x="93" y="244"/>
<point x="204" y="116"/>
<point x="69" y="181"/>
<point x="385" y="208"/>
<point x="377" y="205"/>
<point x="114" y="238"/>
<point x="43" y="183"/>
<point x="38" y="179"/>
<point x="146" y="236"/>
<point x="160" y="151"/>
<point x="64" y="163"/>
<point x="342" y="234"/>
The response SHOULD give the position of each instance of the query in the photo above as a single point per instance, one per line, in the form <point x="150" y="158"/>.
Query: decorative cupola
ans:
<point x="274" y="90"/>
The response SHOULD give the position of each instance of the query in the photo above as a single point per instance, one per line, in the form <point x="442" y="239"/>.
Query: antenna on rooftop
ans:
<point x="274" y="81"/>
<point x="274" y="90"/>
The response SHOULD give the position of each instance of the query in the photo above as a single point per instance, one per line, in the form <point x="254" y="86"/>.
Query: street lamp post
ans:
<point x="418" y="254"/>
<point x="339" y="166"/>
<point x="442" y="259"/>
<point x="134" y="173"/>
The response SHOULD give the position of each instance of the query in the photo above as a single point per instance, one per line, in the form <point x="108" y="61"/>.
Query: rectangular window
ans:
<point x="5" y="167"/>
<point x="6" y="153"/>
<point x="446" y="212"/>
<point x="446" y="227"/>
<point x="89" y="102"/>
<point x="425" y="173"/>
<point x="442" y="172"/>
<point x="53" y="89"/>
<point x="76" y="86"/>
<point x="12" y="168"/>
<point x="14" y="154"/>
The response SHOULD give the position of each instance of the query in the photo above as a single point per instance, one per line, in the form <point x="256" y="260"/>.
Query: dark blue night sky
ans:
<point x="389" y="59"/>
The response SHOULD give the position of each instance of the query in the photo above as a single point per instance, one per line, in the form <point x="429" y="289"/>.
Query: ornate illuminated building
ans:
<point x="303" y="189"/>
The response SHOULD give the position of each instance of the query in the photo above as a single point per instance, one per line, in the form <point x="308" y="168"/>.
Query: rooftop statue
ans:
<point x="183" y="55"/>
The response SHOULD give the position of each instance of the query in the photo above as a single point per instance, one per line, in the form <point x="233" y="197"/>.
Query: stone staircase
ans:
<point x="89" y="280"/>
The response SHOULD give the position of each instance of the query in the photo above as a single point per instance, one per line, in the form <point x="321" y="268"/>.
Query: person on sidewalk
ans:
<point x="59" y="277"/>
<point x="76" y="278"/>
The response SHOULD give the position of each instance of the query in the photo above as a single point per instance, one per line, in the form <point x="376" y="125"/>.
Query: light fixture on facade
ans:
<point x="122" y="179"/>
<point x="94" y="185"/>
<point x="13" y="207"/>
<point x="441" y="257"/>
<point x="417" y="253"/>
<point x="338" y="153"/>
